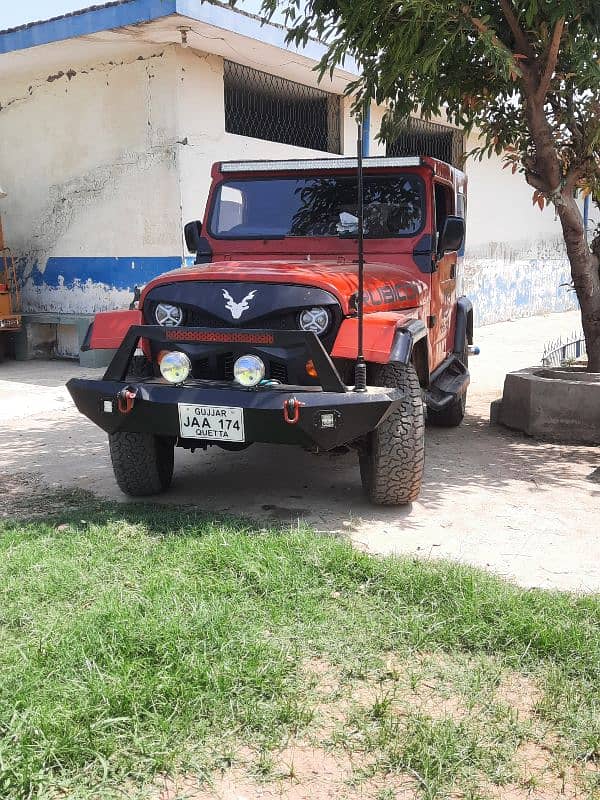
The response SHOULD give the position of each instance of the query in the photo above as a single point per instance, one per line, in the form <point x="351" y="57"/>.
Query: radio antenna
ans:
<point x="360" y="368"/>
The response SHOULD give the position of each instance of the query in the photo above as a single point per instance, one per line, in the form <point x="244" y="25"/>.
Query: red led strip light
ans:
<point x="216" y="336"/>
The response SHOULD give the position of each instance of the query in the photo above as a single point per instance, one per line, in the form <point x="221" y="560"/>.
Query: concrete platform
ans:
<point x="557" y="405"/>
<point x="52" y="334"/>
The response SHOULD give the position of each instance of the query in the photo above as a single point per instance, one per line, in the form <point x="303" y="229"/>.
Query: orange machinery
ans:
<point x="10" y="299"/>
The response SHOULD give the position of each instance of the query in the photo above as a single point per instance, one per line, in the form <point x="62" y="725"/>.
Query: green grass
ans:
<point x="139" y="640"/>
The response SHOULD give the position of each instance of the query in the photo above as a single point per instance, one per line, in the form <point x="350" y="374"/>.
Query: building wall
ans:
<point x="201" y="125"/>
<point x="105" y="162"/>
<point x="89" y="161"/>
<point x="515" y="261"/>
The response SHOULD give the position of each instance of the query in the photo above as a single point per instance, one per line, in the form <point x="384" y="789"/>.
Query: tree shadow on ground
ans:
<point x="284" y="483"/>
<point x="66" y="509"/>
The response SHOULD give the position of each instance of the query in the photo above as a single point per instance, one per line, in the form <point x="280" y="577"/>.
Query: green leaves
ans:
<point x="480" y="63"/>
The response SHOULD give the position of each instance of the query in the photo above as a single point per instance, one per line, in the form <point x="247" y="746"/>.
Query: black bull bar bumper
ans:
<point x="326" y="416"/>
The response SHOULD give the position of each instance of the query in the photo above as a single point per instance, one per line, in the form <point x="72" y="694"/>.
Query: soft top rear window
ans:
<point x="274" y="208"/>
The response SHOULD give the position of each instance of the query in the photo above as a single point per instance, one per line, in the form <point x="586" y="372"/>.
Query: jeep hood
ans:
<point x="387" y="287"/>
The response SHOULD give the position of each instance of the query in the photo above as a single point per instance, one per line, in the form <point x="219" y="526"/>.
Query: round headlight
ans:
<point x="314" y="320"/>
<point x="168" y="315"/>
<point x="175" y="367"/>
<point x="249" y="370"/>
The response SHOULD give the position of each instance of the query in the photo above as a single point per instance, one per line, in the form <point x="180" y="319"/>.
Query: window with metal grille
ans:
<point x="422" y="138"/>
<point x="267" y="107"/>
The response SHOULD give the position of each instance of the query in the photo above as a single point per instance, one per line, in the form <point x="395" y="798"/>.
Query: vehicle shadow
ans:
<point x="473" y="466"/>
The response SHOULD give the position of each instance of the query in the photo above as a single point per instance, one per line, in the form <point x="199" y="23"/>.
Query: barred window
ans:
<point x="279" y="110"/>
<point x="422" y="138"/>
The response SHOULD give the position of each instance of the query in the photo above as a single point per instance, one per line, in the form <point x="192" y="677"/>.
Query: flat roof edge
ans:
<point x="85" y="22"/>
<point x="122" y="13"/>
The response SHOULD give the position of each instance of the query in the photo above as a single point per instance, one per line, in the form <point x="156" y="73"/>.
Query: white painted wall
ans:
<point x="500" y="205"/>
<point x="88" y="159"/>
<point x="109" y="160"/>
<point x="201" y="123"/>
<point x="515" y="263"/>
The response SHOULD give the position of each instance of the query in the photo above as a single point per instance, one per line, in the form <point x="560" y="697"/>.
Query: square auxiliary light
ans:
<point x="107" y="406"/>
<point x="327" y="419"/>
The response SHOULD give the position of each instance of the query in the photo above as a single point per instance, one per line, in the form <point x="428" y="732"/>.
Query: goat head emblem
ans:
<point x="237" y="309"/>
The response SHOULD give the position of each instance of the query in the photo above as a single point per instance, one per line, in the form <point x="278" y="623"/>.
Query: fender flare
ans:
<point x="464" y="324"/>
<point x="410" y="345"/>
<point x="405" y="339"/>
<point x="388" y="336"/>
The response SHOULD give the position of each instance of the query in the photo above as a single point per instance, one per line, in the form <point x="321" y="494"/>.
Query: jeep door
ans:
<point x="443" y="282"/>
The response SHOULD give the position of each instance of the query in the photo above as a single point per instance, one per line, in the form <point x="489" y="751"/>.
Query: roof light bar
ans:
<point x="318" y="163"/>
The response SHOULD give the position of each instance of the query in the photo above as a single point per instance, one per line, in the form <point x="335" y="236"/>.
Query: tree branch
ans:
<point x="551" y="60"/>
<point x="517" y="31"/>
<point x="573" y="176"/>
<point x="483" y="29"/>
<point x="533" y="179"/>
<point x="571" y="122"/>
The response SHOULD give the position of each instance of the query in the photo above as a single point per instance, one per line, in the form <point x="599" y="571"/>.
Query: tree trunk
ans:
<point x="586" y="276"/>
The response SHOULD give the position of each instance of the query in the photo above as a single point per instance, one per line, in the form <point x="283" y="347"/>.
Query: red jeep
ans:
<point x="259" y="341"/>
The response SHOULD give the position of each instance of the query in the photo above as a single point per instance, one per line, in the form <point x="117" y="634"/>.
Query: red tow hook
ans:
<point x="291" y="410"/>
<point x="126" y="399"/>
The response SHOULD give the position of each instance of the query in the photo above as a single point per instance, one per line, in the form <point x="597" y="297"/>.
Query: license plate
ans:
<point x="216" y="423"/>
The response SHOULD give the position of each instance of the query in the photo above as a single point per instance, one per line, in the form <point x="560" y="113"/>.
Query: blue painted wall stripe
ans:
<point x="117" y="273"/>
<point x="498" y="290"/>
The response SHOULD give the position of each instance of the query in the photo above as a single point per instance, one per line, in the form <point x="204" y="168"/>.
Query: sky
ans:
<point x="13" y="14"/>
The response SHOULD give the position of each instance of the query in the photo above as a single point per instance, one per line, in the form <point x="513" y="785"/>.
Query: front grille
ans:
<point x="201" y="368"/>
<point x="218" y="366"/>
<point x="214" y="368"/>
<point x="278" y="321"/>
<point x="278" y="372"/>
<point x="225" y="366"/>
<point x="223" y="369"/>
<point x="195" y="318"/>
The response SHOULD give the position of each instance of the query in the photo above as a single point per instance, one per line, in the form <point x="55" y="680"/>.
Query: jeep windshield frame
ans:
<point x="265" y="208"/>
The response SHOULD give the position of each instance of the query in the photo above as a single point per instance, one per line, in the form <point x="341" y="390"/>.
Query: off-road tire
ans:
<point x="452" y="415"/>
<point x="391" y="464"/>
<point x="142" y="462"/>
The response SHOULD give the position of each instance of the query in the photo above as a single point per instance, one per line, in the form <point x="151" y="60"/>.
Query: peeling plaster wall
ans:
<point x="515" y="260"/>
<point x="105" y="162"/>
<point x="89" y="160"/>
<point x="519" y="280"/>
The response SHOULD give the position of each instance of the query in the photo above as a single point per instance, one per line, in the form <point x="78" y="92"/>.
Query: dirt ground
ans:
<point x="492" y="498"/>
<point x="340" y="756"/>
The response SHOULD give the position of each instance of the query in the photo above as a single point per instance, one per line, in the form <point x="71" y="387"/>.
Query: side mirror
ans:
<point x="452" y="236"/>
<point x="193" y="234"/>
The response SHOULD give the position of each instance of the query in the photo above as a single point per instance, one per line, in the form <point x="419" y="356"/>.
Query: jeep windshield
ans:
<point x="275" y="208"/>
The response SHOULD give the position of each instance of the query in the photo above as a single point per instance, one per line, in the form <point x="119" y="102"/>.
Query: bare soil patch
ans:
<point x="343" y="754"/>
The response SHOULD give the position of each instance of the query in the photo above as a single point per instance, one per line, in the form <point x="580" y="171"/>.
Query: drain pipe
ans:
<point x="366" y="131"/>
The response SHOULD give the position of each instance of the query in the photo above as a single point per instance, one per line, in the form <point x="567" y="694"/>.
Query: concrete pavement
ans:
<point x="492" y="498"/>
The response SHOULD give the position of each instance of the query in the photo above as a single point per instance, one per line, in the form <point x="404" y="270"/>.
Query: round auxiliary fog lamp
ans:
<point x="249" y="371"/>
